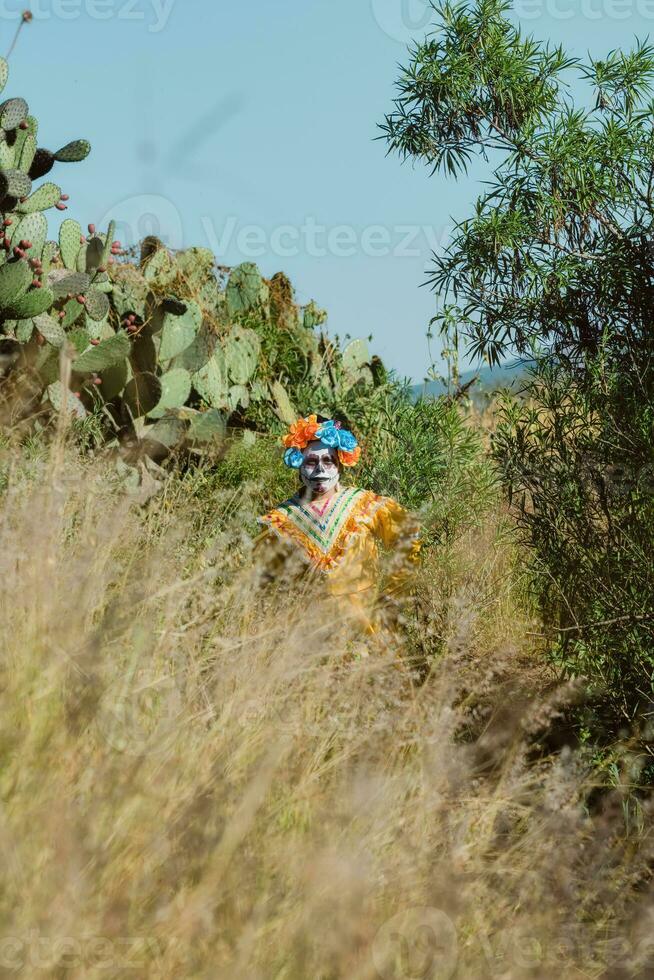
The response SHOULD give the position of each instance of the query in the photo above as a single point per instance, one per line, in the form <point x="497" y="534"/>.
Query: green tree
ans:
<point x="556" y="262"/>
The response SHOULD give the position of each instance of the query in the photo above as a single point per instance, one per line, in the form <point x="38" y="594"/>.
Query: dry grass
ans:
<point x="203" y="779"/>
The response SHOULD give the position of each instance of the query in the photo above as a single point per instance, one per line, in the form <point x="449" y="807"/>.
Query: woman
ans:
<point x="338" y="530"/>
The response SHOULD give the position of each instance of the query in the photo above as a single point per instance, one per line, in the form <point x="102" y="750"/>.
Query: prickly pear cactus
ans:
<point x="25" y="254"/>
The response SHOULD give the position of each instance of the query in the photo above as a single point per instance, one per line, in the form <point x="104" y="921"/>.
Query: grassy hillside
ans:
<point x="205" y="775"/>
<point x="486" y="381"/>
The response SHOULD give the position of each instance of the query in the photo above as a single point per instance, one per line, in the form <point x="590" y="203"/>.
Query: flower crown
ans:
<point x="304" y="431"/>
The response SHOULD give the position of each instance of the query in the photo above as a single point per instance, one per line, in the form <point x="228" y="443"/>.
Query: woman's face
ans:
<point x="320" y="470"/>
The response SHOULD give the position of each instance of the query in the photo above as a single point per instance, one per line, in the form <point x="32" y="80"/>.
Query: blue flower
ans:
<point x="293" y="458"/>
<point x="329" y="434"/>
<point x="347" y="442"/>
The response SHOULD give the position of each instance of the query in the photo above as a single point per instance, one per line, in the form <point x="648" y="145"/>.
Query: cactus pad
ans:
<point x="47" y="196"/>
<point x="50" y="329"/>
<point x="34" y="228"/>
<point x="59" y="396"/>
<point x="142" y="394"/>
<point x="105" y="355"/>
<point x="7" y="155"/>
<point x="179" y="332"/>
<point x="199" y="353"/>
<point x="144" y="354"/>
<point x="73" y="282"/>
<point x="70" y="235"/>
<point x="211" y="381"/>
<point x="32" y="303"/>
<point x="175" y="390"/>
<point x="27" y="154"/>
<point x="15" y="278"/>
<point x="13" y="112"/>
<point x="355" y="355"/>
<point x="167" y="432"/>
<point x="238" y="396"/>
<point x="209" y="426"/>
<point x="4" y="73"/>
<point x="114" y="380"/>
<point x="283" y="404"/>
<point x="97" y="304"/>
<point x="24" y="329"/>
<point x="161" y="268"/>
<point x="242" y="355"/>
<point x="42" y="163"/>
<point x="73" y="152"/>
<point x="15" y="183"/>
<point x="245" y="289"/>
<point x="94" y="253"/>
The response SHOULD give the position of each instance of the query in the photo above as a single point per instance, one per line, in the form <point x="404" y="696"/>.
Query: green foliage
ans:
<point x="255" y="466"/>
<point x="556" y="261"/>
<point x="579" y="467"/>
<point x="24" y="292"/>
<point x="428" y="456"/>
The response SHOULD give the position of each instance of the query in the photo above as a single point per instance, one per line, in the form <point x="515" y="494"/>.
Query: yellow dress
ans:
<point x="342" y="545"/>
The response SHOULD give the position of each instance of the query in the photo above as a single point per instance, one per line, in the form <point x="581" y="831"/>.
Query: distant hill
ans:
<point x="490" y="379"/>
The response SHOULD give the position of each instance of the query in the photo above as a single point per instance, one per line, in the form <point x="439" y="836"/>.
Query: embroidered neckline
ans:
<point x="324" y="549"/>
<point x="322" y="532"/>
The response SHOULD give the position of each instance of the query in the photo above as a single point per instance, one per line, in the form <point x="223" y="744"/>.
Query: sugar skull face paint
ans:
<point x="320" y="470"/>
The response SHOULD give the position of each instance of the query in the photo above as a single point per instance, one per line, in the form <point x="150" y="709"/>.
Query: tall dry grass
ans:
<point x="202" y="777"/>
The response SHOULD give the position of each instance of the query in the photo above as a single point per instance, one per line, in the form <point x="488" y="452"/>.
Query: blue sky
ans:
<point x="249" y="127"/>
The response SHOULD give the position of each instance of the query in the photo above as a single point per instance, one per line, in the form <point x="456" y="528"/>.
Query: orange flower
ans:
<point x="301" y="433"/>
<point x="350" y="459"/>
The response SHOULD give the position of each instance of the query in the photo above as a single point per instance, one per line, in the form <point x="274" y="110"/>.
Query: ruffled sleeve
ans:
<point x="397" y="531"/>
